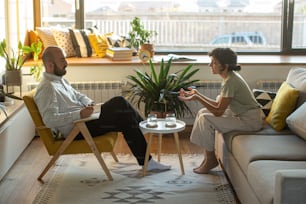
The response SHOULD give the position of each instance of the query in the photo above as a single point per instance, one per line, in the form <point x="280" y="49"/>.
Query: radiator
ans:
<point x="269" y="85"/>
<point x="208" y="88"/>
<point x="99" y="91"/>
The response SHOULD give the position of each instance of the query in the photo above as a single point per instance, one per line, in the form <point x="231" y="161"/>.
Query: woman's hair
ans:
<point x="226" y="56"/>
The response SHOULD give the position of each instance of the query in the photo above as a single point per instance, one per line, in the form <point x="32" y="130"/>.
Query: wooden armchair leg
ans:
<point x="114" y="156"/>
<point x="82" y="127"/>
<point x="59" y="152"/>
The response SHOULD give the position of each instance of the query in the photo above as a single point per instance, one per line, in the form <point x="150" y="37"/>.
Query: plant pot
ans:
<point x="13" y="77"/>
<point x="149" y="47"/>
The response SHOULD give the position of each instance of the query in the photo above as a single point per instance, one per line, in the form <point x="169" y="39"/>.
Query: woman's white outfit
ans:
<point x="203" y="132"/>
<point x="244" y="114"/>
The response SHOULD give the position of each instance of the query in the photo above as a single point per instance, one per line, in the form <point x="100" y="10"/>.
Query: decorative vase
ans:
<point x="13" y="77"/>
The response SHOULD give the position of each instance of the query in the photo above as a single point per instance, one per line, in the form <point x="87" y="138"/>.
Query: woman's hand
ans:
<point x="187" y="95"/>
<point x="86" y="111"/>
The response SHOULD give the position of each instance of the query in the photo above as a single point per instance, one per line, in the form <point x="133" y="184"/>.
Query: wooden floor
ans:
<point x="20" y="186"/>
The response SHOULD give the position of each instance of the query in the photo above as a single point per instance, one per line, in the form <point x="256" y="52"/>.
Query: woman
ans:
<point x="235" y="108"/>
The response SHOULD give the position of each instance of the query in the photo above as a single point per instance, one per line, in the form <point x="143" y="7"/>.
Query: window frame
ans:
<point x="286" y="29"/>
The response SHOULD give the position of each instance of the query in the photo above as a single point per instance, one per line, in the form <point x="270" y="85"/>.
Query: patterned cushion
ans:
<point x="283" y="104"/>
<point x="80" y="43"/>
<point x="63" y="40"/>
<point x="46" y="35"/>
<point x="265" y="99"/>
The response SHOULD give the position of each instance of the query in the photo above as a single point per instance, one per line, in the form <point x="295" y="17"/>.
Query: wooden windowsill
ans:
<point x="242" y="59"/>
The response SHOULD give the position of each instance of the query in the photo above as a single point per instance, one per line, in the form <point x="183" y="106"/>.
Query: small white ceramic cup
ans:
<point x="152" y="120"/>
<point x="170" y="120"/>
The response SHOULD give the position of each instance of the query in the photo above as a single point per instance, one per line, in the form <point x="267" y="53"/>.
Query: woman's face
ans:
<point x="215" y="66"/>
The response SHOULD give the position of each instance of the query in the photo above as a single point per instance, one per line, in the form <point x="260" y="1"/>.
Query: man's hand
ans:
<point x="86" y="111"/>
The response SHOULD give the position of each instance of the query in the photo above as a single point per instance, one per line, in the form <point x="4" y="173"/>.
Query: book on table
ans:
<point x="119" y="53"/>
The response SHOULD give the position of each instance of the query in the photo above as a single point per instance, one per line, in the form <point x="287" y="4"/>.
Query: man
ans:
<point x="60" y="104"/>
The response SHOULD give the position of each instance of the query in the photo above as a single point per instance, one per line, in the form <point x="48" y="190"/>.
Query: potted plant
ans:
<point x="15" y="60"/>
<point x="158" y="91"/>
<point x="13" y="63"/>
<point x="139" y="36"/>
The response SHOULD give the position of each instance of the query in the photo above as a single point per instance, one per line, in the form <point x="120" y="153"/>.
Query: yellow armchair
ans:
<point x="55" y="148"/>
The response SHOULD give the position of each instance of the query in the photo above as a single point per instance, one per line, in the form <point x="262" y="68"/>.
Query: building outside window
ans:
<point x="189" y="25"/>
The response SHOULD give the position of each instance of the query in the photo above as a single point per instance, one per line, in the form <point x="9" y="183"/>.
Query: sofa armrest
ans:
<point x="290" y="186"/>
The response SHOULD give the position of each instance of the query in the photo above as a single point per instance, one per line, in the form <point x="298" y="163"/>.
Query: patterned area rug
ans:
<point x="80" y="179"/>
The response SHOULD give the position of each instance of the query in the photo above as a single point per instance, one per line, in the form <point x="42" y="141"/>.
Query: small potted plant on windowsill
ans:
<point x="14" y="61"/>
<point x="141" y="38"/>
<point x="158" y="92"/>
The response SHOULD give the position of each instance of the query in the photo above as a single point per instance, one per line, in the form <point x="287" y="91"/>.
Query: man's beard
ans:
<point x="58" y="71"/>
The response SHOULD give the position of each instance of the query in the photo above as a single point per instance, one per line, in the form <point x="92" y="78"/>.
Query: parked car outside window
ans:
<point x="240" y="38"/>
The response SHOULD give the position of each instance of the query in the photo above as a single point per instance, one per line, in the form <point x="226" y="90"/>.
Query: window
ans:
<point x="2" y="35"/>
<point x="190" y="25"/>
<point x="299" y="25"/>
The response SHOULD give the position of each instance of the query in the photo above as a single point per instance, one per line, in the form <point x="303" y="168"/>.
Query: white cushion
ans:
<point x="296" y="121"/>
<point x="297" y="78"/>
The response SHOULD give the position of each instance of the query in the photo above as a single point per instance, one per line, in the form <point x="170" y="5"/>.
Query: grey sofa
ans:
<point x="269" y="166"/>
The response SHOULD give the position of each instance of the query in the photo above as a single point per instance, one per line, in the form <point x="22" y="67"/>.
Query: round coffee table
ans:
<point x="160" y="130"/>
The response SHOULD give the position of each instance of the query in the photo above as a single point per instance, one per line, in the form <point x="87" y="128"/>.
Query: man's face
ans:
<point x="60" y="64"/>
<point x="59" y="71"/>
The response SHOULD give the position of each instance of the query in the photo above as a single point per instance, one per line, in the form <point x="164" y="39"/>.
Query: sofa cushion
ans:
<point x="296" y="121"/>
<point x="283" y="104"/>
<point x="34" y="38"/>
<point x="249" y="148"/>
<point x="265" y="99"/>
<point x="261" y="176"/>
<point x="80" y="42"/>
<point x="98" y="43"/>
<point x="63" y="40"/>
<point x="297" y="78"/>
<point x="46" y="35"/>
<point x="266" y="130"/>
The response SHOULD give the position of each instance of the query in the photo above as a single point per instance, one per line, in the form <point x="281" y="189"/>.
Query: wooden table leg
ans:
<point x="178" y="148"/>
<point x="145" y="165"/>
<point x="160" y="138"/>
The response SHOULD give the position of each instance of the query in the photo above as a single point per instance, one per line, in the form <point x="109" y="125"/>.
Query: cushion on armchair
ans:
<point x="284" y="103"/>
